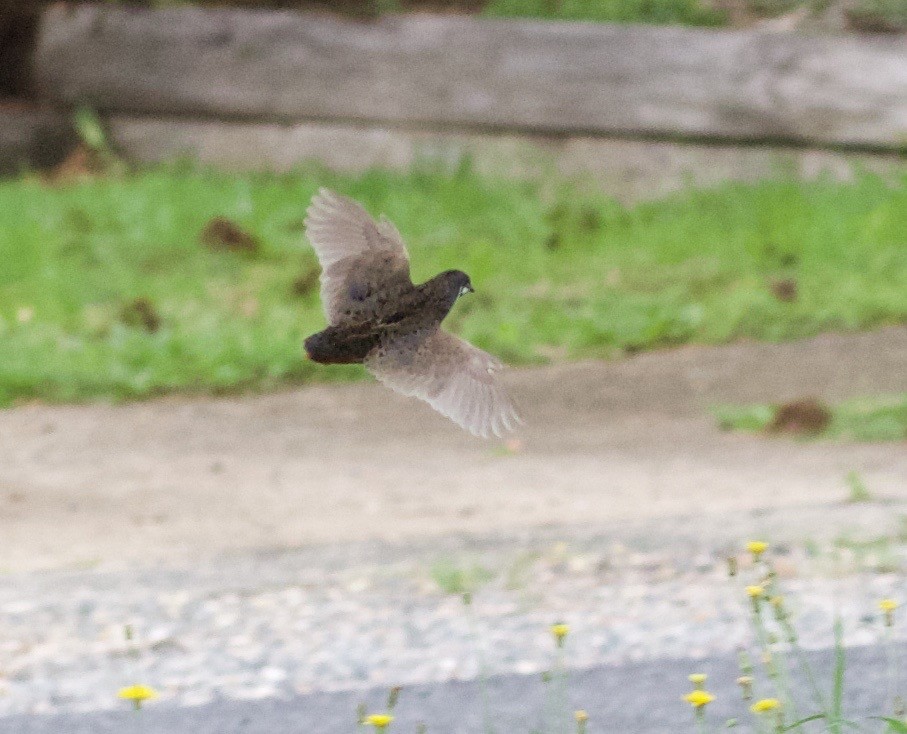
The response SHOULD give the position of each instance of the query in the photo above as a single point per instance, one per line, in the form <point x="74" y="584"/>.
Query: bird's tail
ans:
<point x="336" y="345"/>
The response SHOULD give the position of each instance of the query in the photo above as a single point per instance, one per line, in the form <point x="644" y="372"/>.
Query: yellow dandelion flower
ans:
<point x="560" y="631"/>
<point x="757" y="548"/>
<point x="754" y="592"/>
<point x="764" y="705"/>
<point x="581" y="716"/>
<point x="888" y="606"/>
<point x="137" y="694"/>
<point x="379" y="721"/>
<point x="697" y="678"/>
<point x="698" y="698"/>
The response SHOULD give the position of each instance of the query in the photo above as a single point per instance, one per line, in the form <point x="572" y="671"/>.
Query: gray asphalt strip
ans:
<point x="639" y="697"/>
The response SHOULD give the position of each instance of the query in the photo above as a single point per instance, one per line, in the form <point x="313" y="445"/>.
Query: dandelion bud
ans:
<point x="755" y="594"/>
<point x="393" y="696"/>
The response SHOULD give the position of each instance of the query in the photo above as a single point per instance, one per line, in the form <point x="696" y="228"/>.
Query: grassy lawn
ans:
<point x="660" y="12"/>
<point x="867" y="419"/>
<point x="856" y="15"/>
<point x="107" y="288"/>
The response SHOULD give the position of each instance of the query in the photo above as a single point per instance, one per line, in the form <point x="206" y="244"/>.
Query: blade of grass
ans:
<point x="836" y="718"/>
<point x="895" y="726"/>
<point x="800" y="722"/>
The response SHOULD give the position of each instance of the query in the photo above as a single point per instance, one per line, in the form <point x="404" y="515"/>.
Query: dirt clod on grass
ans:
<point x="806" y="416"/>
<point x="877" y="17"/>
<point x="82" y="163"/>
<point x="307" y="281"/>
<point x="141" y="313"/>
<point x="785" y="289"/>
<point x="221" y="233"/>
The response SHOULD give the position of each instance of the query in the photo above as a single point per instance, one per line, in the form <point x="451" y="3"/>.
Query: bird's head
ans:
<point x="459" y="282"/>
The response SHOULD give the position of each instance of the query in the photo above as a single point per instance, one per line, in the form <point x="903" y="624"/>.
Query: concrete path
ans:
<point x="604" y="444"/>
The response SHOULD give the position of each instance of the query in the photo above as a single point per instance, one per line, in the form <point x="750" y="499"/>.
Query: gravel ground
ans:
<point x="281" y="626"/>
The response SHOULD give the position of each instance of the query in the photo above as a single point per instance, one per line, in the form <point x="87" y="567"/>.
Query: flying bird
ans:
<point x="379" y="318"/>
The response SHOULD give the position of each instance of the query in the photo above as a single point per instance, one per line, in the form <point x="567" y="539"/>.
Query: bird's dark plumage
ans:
<point x="378" y="317"/>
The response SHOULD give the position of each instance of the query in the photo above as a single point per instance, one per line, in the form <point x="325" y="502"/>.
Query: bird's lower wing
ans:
<point x="451" y="375"/>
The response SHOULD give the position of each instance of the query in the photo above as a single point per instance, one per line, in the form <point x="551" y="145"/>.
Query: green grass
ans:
<point x="686" y="12"/>
<point x="559" y="274"/>
<point x="661" y="12"/>
<point x="867" y="419"/>
<point x="862" y="15"/>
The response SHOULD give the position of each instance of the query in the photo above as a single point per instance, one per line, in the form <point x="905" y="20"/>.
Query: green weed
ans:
<point x="859" y="492"/>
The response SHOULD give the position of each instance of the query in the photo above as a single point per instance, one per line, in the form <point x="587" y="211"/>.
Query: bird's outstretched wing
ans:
<point x="361" y="260"/>
<point x="451" y="375"/>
